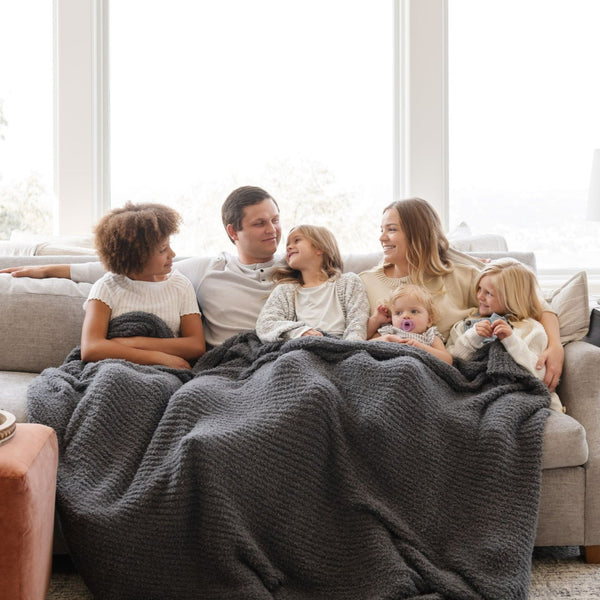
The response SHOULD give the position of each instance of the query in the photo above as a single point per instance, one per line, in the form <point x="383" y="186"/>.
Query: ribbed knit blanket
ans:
<point x="313" y="469"/>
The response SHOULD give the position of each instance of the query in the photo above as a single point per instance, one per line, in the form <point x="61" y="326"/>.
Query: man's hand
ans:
<point x="40" y="272"/>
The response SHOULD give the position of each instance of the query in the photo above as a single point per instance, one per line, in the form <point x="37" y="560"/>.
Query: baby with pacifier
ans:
<point x="411" y="312"/>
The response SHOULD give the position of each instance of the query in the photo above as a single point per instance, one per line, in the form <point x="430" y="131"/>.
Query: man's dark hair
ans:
<point x="232" y="211"/>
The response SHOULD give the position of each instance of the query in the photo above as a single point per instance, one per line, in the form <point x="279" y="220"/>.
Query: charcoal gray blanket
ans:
<point x="306" y="470"/>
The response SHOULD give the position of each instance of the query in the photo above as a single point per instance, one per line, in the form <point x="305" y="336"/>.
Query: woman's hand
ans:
<point x="553" y="358"/>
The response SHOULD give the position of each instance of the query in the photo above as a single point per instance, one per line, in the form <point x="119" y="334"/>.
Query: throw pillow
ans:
<point x="571" y="303"/>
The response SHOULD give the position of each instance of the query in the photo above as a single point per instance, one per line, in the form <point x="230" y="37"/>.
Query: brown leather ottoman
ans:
<point x="28" y="463"/>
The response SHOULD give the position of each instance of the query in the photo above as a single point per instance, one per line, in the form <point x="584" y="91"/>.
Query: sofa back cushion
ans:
<point x="40" y="321"/>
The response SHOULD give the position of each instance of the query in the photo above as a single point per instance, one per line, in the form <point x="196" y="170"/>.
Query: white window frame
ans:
<point x="82" y="165"/>
<point x="82" y="178"/>
<point x="81" y="126"/>
<point x="421" y="102"/>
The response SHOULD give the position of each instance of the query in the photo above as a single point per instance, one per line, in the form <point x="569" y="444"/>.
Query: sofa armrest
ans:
<point x="579" y="390"/>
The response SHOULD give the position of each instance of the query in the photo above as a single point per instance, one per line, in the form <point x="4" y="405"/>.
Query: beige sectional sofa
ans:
<point x="40" y="322"/>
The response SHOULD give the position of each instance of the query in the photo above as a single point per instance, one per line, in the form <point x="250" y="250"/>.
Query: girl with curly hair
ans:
<point x="133" y="243"/>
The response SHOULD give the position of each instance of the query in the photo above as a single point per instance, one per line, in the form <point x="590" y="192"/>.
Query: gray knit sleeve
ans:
<point x="355" y="303"/>
<point x="277" y="319"/>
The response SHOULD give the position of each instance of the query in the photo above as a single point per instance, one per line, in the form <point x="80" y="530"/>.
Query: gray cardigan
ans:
<point x="278" y="317"/>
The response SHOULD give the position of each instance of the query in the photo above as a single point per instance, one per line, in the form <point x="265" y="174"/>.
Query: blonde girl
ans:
<point x="510" y="310"/>
<point x="312" y="295"/>
<point x="412" y="315"/>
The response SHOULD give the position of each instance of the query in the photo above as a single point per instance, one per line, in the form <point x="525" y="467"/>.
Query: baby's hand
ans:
<point x="388" y="337"/>
<point x="312" y="332"/>
<point x="382" y="315"/>
<point x="501" y="329"/>
<point x="483" y="329"/>
<point x="411" y="342"/>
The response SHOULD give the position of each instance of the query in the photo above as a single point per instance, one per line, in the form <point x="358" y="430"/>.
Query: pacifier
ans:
<point x="407" y="324"/>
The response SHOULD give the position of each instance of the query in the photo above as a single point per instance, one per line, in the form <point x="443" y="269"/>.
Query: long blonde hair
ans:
<point x="322" y="239"/>
<point x="517" y="287"/>
<point x="427" y="253"/>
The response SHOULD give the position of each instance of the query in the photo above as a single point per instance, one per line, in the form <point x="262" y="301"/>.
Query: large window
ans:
<point x="323" y="103"/>
<point x="524" y="120"/>
<point x="26" y="150"/>
<point x="295" y="97"/>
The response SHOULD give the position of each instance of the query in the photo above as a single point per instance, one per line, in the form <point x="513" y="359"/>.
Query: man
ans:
<point x="230" y="289"/>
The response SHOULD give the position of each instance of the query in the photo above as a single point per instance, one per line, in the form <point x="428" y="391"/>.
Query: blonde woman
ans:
<point x="312" y="295"/>
<point x="416" y="250"/>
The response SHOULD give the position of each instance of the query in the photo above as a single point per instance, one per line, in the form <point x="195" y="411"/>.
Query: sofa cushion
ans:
<point x="40" y="321"/>
<point x="565" y="444"/>
<point x="571" y="303"/>
<point x="463" y="239"/>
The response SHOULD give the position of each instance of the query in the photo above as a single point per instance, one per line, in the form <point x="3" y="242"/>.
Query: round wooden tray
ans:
<point x="8" y="426"/>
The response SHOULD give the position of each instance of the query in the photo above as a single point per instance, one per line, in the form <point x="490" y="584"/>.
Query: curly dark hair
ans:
<point x="126" y="237"/>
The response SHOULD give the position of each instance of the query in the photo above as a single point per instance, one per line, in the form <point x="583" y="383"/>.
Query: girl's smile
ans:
<point x="488" y="298"/>
<point x="159" y="264"/>
<point x="301" y="254"/>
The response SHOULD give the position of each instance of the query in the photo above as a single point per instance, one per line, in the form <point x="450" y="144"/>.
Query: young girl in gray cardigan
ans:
<point x="312" y="295"/>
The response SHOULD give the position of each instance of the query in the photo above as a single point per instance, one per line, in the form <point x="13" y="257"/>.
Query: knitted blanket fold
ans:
<point x="303" y="470"/>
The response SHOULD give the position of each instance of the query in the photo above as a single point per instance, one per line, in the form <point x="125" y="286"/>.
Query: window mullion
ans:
<point x="80" y="114"/>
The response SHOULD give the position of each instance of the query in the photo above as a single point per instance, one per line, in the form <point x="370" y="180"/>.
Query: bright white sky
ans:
<point x="26" y="88"/>
<point x="540" y="121"/>
<point x="174" y="105"/>
<point x="211" y="88"/>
